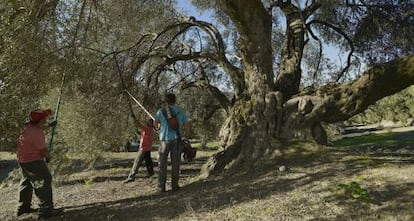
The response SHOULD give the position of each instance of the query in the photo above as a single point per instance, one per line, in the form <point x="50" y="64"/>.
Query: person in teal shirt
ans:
<point x="169" y="140"/>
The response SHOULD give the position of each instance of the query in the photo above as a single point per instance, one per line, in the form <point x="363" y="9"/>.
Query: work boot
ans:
<point x="128" y="180"/>
<point x="27" y="210"/>
<point x="150" y="175"/>
<point x="50" y="213"/>
<point x="175" y="188"/>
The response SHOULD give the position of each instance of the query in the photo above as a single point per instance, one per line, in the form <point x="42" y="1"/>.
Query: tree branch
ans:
<point x="309" y="10"/>
<point x="253" y="24"/>
<point x="346" y="37"/>
<point x="335" y="103"/>
<point x="214" y="91"/>
<point x="386" y="6"/>
<point x="180" y="28"/>
<point x="320" y="51"/>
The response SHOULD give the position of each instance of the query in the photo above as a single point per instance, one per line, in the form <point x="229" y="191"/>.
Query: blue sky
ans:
<point x="188" y="9"/>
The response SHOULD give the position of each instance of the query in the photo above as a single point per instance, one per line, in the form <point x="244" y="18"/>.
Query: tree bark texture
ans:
<point x="266" y="112"/>
<point x="250" y="133"/>
<point x="290" y="73"/>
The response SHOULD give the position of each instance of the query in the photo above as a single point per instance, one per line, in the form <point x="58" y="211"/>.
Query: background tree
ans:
<point x="43" y="40"/>
<point x="206" y="114"/>
<point x="23" y="73"/>
<point x="397" y="108"/>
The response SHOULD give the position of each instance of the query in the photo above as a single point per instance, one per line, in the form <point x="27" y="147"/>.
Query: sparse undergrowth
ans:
<point x="319" y="184"/>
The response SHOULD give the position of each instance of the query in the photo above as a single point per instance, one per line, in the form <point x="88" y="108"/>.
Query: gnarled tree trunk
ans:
<point x="265" y="112"/>
<point x="247" y="132"/>
<point x="246" y="142"/>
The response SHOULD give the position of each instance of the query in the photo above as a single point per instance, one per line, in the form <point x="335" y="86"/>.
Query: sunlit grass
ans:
<point x="374" y="140"/>
<point x="7" y="155"/>
<point x="209" y="145"/>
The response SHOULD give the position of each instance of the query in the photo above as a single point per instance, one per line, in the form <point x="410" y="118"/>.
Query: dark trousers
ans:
<point x="141" y="156"/>
<point x="35" y="176"/>
<point x="172" y="148"/>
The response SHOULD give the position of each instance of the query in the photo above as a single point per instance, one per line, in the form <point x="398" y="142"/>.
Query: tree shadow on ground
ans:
<point x="398" y="195"/>
<point x="188" y="169"/>
<point x="6" y="166"/>
<point x="304" y="170"/>
<point x="224" y="192"/>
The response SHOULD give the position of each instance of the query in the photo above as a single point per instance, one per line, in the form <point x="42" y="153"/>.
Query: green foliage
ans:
<point x="25" y="73"/>
<point x="87" y="183"/>
<point x="396" y="20"/>
<point x="355" y="191"/>
<point x="36" y="51"/>
<point x="398" y="107"/>
<point x="205" y="114"/>
<point x="366" y="24"/>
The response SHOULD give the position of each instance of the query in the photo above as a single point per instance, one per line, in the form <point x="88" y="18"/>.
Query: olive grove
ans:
<point x="263" y="62"/>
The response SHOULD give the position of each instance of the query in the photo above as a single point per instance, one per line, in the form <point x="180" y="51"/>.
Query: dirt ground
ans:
<point x="309" y="189"/>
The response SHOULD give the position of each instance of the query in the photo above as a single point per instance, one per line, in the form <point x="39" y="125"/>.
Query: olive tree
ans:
<point x="264" y="66"/>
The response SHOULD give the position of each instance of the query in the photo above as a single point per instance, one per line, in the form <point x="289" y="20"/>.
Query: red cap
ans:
<point x="38" y="115"/>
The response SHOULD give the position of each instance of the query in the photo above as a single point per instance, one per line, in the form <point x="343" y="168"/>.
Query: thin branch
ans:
<point x="186" y="57"/>
<point x="309" y="10"/>
<point x="214" y="91"/>
<point x="338" y="30"/>
<point x="182" y="78"/>
<point x="126" y="89"/>
<point x="386" y="6"/>
<point x="320" y="51"/>
<point x="214" y="36"/>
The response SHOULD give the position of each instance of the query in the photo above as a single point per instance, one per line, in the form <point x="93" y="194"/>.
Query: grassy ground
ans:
<point x="348" y="182"/>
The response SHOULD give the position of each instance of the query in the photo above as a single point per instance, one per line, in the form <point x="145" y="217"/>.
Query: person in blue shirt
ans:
<point x="170" y="135"/>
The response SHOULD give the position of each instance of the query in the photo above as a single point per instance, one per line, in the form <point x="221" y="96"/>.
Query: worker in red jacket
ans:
<point x="144" y="152"/>
<point x="32" y="155"/>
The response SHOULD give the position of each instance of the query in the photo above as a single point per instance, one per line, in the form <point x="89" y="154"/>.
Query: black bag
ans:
<point x="189" y="152"/>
